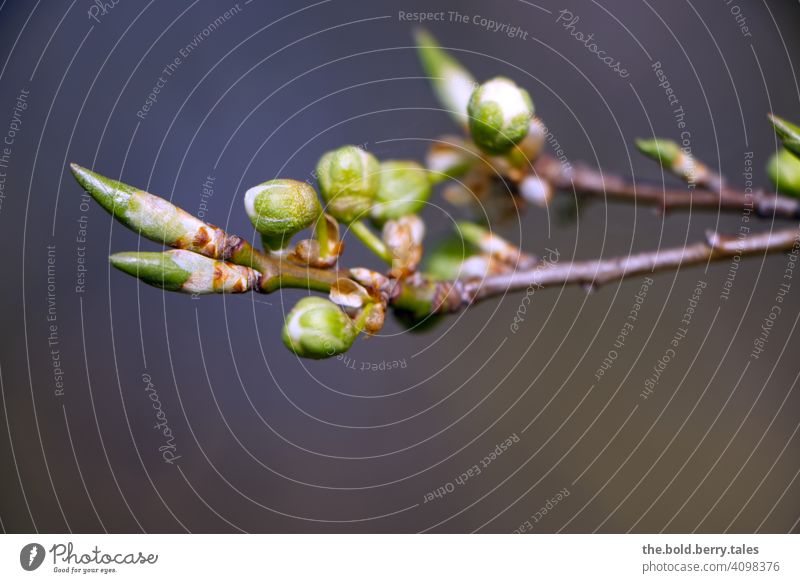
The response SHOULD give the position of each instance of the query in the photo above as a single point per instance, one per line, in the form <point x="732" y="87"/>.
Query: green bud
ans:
<point x="788" y="133"/>
<point x="784" y="171"/>
<point x="499" y="115"/>
<point x="348" y="181"/>
<point x="472" y="233"/>
<point x="445" y="260"/>
<point x="452" y="83"/>
<point x="318" y="328"/>
<point x="449" y="158"/>
<point x="152" y="216"/>
<point x="185" y="271"/>
<point x="665" y="152"/>
<point x="403" y="189"/>
<point x="280" y="208"/>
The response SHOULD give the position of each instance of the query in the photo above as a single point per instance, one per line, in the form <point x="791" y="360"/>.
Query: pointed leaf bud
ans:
<point x="495" y="246"/>
<point x="499" y="115"/>
<point x="788" y="133"/>
<point x="348" y="181"/>
<point x="404" y="188"/>
<point x="679" y="162"/>
<point x="318" y="328"/>
<point x="445" y="260"/>
<point x="154" y="217"/>
<point x="666" y="152"/>
<point x="449" y="158"/>
<point x="784" y="172"/>
<point x="452" y="83"/>
<point x="187" y="272"/>
<point x="280" y="208"/>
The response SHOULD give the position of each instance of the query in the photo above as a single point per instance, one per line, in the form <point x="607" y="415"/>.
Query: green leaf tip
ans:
<point x="152" y="216"/>
<point x="788" y="132"/>
<point x="665" y="152"/>
<point x="156" y="269"/>
<point x="185" y="271"/>
<point x="452" y="83"/>
<point x="445" y="260"/>
<point x="114" y="196"/>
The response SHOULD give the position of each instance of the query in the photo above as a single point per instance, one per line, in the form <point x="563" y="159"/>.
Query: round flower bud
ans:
<point x="280" y="208"/>
<point x="499" y="115"/>
<point x="403" y="189"/>
<point x="784" y="171"/>
<point x="318" y="328"/>
<point x="348" y="180"/>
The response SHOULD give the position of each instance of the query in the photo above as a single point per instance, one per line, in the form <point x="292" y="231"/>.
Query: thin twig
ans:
<point x="585" y="180"/>
<point x="593" y="273"/>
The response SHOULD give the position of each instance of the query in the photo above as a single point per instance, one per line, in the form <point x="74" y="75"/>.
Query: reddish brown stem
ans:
<point x="587" y="181"/>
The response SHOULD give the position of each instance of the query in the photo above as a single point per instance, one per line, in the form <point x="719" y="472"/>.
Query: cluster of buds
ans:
<point x="354" y="187"/>
<point x="380" y="202"/>
<point x="503" y="138"/>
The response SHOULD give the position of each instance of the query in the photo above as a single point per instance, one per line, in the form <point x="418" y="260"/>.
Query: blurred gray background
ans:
<point x="265" y="442"/>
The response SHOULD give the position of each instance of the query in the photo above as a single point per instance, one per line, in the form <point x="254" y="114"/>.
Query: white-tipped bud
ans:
<point x="499" y="115"/>
<point x="318" y="328"/>
<point x="280" y="208"/>
<point x="536" y="191"/>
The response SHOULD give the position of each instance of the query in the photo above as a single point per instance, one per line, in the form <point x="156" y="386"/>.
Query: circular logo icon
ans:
<point x="31" y="556"/>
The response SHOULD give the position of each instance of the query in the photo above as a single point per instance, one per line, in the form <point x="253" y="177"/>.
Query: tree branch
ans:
<point x="588" y="181"/>
<point x="419" y="295"/>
